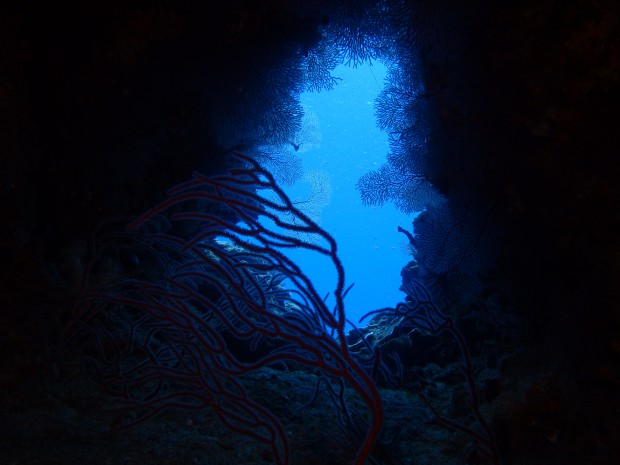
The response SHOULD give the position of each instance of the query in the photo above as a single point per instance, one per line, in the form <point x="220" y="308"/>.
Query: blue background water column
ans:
<point x="371" y="249"/>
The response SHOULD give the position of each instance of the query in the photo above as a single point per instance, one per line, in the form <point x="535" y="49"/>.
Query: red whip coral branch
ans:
<point x="213" y="277"/>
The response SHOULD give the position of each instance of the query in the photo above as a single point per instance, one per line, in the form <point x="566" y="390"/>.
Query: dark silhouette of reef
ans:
<point x="106" y="104"/>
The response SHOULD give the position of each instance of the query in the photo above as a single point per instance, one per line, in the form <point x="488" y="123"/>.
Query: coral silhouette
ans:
<point x="309" y="135"/>
<point x="198" y="314"/>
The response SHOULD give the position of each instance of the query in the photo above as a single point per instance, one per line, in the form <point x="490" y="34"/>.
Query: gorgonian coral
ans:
<point x="212" y="298"/>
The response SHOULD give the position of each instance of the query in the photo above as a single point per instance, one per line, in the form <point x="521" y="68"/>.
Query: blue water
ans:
<point x="371" y="249"/>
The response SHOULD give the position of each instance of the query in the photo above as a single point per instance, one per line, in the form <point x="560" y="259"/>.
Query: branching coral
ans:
<point x="214" y="280"/>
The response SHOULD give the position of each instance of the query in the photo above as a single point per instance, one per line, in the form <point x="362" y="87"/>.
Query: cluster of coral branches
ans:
<point x="420" y="313"/>
<point x="205" y="283"/>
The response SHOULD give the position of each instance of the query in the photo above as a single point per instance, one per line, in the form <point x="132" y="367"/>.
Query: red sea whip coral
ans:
<point x="167" y="335"/>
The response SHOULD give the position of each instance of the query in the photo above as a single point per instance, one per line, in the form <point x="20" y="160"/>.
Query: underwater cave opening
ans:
<point x="338" y="143"/>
